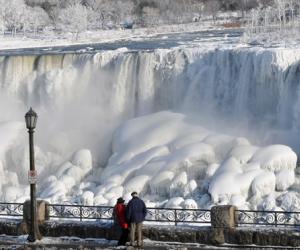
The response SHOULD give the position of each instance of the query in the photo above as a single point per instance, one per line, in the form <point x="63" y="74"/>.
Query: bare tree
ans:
<point x="14" y="12"/>
<point x="246" y="5"/>
<point x="73" y="19"/>
<point x="212" y="7"/>
<point x="36" y="18"/>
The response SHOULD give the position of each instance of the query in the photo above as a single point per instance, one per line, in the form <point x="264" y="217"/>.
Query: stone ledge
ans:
<point x="203" y="235"/>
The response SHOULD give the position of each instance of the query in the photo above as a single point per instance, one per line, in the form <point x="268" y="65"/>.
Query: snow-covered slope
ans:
<point x="218" y="96"/>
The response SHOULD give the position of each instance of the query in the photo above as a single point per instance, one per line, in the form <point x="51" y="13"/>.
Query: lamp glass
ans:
<point x="31" y="119"/>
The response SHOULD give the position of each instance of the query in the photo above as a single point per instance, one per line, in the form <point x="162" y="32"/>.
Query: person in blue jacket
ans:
<point x="135" y="214"/>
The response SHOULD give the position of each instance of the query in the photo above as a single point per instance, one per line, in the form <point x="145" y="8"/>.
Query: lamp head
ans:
<point x="30" y="119"/>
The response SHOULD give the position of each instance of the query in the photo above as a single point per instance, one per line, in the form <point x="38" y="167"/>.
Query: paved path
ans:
<point x="69" y="243"/>
<point x="149" y="246"/>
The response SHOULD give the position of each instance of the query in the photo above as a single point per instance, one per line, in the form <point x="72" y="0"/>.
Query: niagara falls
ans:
<point x="149" y="124"/>
<point x="177" y="124"/>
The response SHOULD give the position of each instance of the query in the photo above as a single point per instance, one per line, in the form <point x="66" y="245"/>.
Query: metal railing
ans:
<point x="80" y="212"/>
<point x="269" y="218"/>
<point x="11" y="209"/>
<point x="161" y="215"/>
<point x="178" y="216"/>
<point x="157" y="215"/>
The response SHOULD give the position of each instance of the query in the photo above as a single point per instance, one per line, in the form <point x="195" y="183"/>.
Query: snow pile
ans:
<point x="166" y="157"/>
<point x="54" y="182"/>
<point x="68" y="175"/>
<point x="150" y="157"/>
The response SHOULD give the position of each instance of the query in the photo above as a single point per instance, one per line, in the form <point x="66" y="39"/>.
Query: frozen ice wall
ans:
<point x="82" y="98"/>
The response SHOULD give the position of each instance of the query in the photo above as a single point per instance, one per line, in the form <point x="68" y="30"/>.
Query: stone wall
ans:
<point x="222" y="230"/>
<point x="202" y="235"/>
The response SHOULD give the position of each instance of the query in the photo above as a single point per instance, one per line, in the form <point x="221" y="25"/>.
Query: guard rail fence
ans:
<point x="174" y="216"/>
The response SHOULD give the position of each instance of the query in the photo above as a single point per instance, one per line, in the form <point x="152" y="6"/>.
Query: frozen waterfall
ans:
<point x="82" y="98"/>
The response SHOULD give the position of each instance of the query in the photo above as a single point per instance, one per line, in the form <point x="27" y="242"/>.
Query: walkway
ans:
<point x="70" y="243"/>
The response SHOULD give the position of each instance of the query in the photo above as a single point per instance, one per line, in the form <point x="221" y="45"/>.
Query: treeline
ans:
<point x="276" y="23"/>
<point x="80" y="15"/>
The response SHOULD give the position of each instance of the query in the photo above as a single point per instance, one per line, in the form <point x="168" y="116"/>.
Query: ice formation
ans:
<point x="185" y="127"/>
<point x="177" y="174"/>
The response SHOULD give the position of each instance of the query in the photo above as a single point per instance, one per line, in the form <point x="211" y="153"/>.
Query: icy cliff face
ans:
<point x="255" y="86"/>
<point x="82" y="98"/>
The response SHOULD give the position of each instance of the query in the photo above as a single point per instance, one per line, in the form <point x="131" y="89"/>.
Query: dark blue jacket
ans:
<point x="136" y="210"/>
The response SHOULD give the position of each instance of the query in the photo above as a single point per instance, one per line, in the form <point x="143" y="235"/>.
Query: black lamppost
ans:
<point x="31" y="118"/>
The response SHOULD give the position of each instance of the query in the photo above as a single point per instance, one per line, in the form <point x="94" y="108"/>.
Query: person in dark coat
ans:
<point x="120" y="218"/>
<point x="135" y="214"/>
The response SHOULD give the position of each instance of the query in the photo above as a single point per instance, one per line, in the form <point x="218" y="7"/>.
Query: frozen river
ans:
<point x="162" y="41"/>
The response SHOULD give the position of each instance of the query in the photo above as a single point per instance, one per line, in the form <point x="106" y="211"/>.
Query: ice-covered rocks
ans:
<point x="83" y="159"/>
<point x="275" y="158"/>
<point x="175" y="202"/>
<point x="284" y="179"/>
<point x="67" y="176"/>
<point x="165" y="156"/>
<point x="173" y="162"/>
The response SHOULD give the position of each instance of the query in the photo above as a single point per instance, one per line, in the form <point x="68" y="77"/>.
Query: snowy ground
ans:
<point x="17" y="242"/>
<point x="50" y="243"/>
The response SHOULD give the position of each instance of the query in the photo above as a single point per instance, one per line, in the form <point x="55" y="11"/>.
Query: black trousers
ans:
<point x="124" y="237"/>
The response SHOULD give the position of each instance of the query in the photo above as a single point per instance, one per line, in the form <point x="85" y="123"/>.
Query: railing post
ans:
<point x="156" y="214"/>
<point x="175" y="217"/>
<point x="61" y="211"/>
<point x="275" y="219"/>
<point x="223" y="216"/>
<point x="80" y="212"/>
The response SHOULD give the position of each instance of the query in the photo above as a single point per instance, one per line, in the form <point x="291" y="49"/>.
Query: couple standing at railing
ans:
<point x="130" y="218"/>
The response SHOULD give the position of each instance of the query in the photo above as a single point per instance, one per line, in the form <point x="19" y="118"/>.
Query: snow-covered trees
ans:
<point x="281" y="20"/>
<point x="15" y="16"/>
<point x="14" y="13"/>
<point x="35" y="19"/>
<point x="76" y="16"/>
<point x="73" y="18"/>
<point x="212" y="7"/>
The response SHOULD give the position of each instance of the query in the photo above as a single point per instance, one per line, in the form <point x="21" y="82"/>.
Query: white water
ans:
<point x="82" y="99"/>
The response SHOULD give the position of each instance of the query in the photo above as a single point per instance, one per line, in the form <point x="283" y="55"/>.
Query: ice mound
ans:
<point x="168" y="158"/>
<point x="290" y="201"/>
<point x="11" y="184"/>
<point x="67" y="176"/>
<point x="165" y="157"/>
<point x="275" y="158"/>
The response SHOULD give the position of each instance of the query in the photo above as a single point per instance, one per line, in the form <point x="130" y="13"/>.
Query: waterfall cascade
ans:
<point x="82" y="98"/>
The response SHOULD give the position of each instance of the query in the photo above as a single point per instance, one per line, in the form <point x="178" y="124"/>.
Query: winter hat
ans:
<point x="134" y="193"/>
<point x="120" y="200"/>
